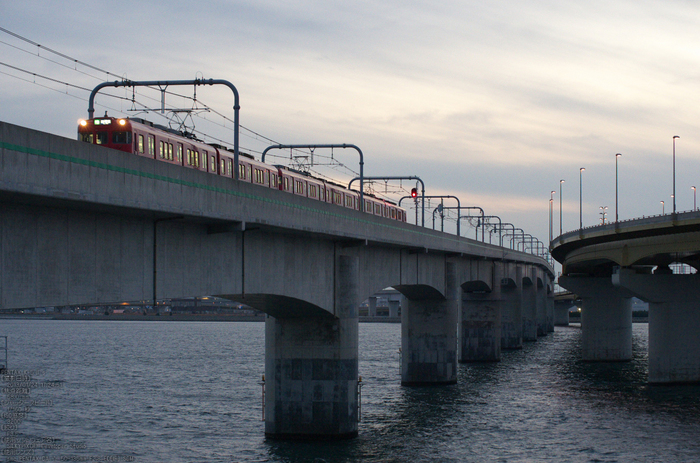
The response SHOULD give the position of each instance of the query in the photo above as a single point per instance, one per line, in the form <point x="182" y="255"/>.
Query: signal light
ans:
<point x="414" y="193"/>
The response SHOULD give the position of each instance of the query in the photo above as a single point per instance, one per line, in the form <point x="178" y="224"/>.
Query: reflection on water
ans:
<point x="182" y="392"/>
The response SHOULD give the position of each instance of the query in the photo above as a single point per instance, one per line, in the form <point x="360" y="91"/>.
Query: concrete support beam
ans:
<point x="674" y="323"/>
<point x="529" y="305"/>
<point x="480" y="327"/>
<point x="311" y="366"/>
<point x="606" y="318"/>
<point x="429" y="336"/>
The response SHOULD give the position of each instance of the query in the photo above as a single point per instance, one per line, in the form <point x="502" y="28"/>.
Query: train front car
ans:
<point x="143" y="138"/>
<point x="107" y="131"/>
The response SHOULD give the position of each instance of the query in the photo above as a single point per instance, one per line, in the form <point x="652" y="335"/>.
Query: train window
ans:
<point x="121" y="137"/>
<point x="393" y="213"/>
<point x="377" y="209"/>
<point x="86" y="137"/>
<point x="212" y="164"/>
<point x="241" y="171"/>
<point x="274" y="183"/>
<point x="161" y="152"/>
<point x="259" y="176"/>
<point x="101" y="138"/>
<point x="299" y="187"/>
<point x="223" y="167"/>
<point x="170" y="151"/>
<point x="151" y="145"/>
<point x="286" y="184"/>
<point x="179" y="153"/>
<point x="312" y="191"/>
<point x="230" y="167"/>
<point x="337" y="198"/>
<point x="196" y="158"/>
<point x="140" y="143"/>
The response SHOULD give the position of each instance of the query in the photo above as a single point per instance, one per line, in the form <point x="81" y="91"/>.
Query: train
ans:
<point x="143" y="138"/>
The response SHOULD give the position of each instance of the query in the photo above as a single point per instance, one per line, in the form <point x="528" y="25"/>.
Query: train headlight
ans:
<point x="82" y="122"/>
<point x="122" y="121"/>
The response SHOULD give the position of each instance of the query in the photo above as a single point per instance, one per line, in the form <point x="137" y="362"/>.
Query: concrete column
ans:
<point x="511" y="315"/>
<point x="674" y="324"/>
<point x="529" y="306"/>
<point x="480" y="327"/>
<point x="311" y="367"/>
<point x="540" y="303"/>
<point x="372" y="306"/>
<point x="550" y="306"/>
<point x="561" y="312"/>
<point x="606" y="318"/>
<point x="429" y="336"/>
<point x="394" y="308"/>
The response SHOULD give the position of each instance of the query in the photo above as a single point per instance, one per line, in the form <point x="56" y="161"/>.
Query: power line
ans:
<point x="41" y="47"/>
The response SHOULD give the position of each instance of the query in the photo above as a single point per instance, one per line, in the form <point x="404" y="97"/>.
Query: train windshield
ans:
<point x="101" y="138"/>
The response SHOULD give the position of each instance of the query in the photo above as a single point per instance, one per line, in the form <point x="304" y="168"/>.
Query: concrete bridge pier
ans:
<point x="541" y="304"/>
<point x="511" y="311"/>
<point x="550" y="306"/>
<point x="311" y="368"/>
<point x="481" y="319"/>
<point x="606" y="318"/>
<point x="429" y="336"/>
<point x="529" y="305"/>
<point x="561" y="312"/>
<point x="674" y="323"/>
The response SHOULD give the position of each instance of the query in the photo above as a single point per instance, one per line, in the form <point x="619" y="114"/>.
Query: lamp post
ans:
<point x="560" y="228"/>
<point x="616" y="216"/>
<point x="662" y="208"/>
<point x="551" y="202"/>
<point x="695" y="198"/>
<point x="603" y="212"/>
<point x="674" y="172"/>
<point x="580" y="197"/>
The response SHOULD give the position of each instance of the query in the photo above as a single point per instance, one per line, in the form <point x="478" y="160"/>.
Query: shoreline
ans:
<point x="166" y="318"/>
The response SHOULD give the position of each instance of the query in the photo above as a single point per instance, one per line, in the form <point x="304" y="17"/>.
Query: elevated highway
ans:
<point x="608" y="265"/>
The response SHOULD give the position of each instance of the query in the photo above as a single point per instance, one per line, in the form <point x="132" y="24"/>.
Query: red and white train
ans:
<point x="143" y="138"/>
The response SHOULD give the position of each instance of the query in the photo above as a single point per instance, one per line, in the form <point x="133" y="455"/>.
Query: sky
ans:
<point x="492" y="102"/>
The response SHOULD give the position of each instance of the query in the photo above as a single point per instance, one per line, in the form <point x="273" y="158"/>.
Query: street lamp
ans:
<point x="616" y="216"/>
<point x="695" y="198"/>
<point x="560" y="229"/>
<point x="674" y="172"/>
<point x="603" y="212"/>
<point x="551" y="201"/>
<point x="580" y="197"/>
<point x="662" y="208"/>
